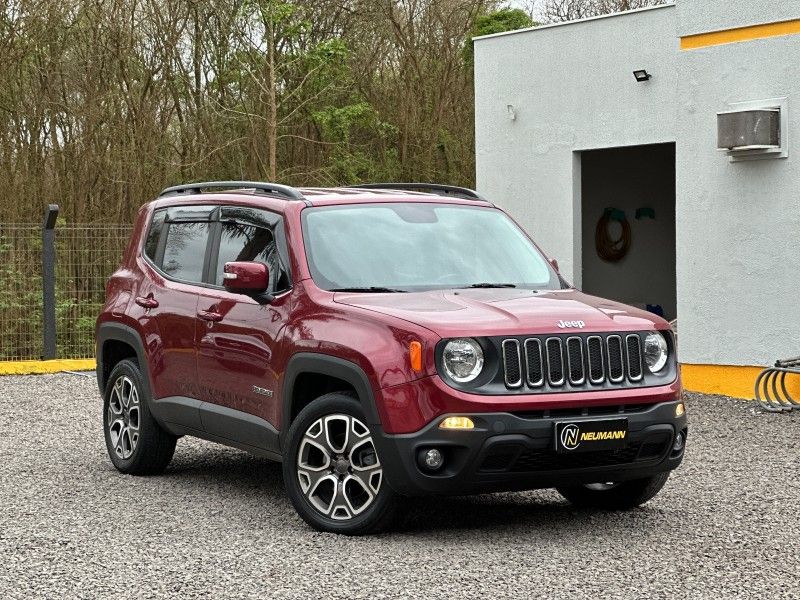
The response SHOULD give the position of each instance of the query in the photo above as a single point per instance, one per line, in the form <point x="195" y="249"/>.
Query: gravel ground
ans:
<point x="218" y="524"/>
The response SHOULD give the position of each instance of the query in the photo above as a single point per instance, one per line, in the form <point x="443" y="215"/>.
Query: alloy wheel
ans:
<point x="338" y="467"/>
<point x="122" y="417"/>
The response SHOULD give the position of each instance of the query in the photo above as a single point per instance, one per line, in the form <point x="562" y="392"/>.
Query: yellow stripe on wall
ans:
<point x="37" y="367"/>
<point x="728" y="380"/>
<point x="740" y="34"/>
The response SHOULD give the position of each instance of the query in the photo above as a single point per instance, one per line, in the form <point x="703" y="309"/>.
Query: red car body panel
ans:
<point x="410" y="406"/>
<point x="460" y="313"/>
<point x="240" y="351"/>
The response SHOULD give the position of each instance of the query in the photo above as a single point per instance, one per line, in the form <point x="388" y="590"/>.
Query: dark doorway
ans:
<point x="638" y="184"/>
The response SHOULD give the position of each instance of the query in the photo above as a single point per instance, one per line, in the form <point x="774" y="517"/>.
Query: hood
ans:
<point x="479" y="312"/>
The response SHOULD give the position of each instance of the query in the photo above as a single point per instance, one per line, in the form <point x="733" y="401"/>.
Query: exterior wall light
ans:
<point x="641" y="75"/>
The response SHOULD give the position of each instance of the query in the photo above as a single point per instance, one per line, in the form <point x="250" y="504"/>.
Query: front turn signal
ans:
<point x="457" y="423"/>
<point x="680" y="409"/>
<point x="415" y="355"/>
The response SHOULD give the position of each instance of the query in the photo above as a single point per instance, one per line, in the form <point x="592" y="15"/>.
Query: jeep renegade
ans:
<point x="381" y="341"/>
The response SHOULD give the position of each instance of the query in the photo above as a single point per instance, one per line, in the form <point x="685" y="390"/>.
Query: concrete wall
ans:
<point x="571" y="88"/>
<point x="738" y="224"/>
<point x="627" y="179"/>
<point x="700" y="16"/>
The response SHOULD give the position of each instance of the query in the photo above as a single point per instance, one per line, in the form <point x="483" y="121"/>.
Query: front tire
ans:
<point x="615" y="496"/>
<point x="136" y="444"/>
<point x="332" y="472"/>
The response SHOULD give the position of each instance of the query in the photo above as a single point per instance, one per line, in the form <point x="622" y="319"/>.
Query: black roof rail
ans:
<point x="436" y="188"/>
<point x="260" y="186"/>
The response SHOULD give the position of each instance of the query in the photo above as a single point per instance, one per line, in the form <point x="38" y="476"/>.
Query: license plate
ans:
<point x="589" y="436"/>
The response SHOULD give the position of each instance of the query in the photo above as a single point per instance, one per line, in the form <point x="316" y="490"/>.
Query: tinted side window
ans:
<point x="240" y="242"/>
<point x="154" y="234"/>
<point x="185" y="250"/>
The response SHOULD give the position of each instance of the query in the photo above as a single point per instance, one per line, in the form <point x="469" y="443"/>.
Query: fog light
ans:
<point x="679" y="442"/>
<point x="432" y="459"/>
<point x="680" y="409"/>
<point x="457" y="423"/>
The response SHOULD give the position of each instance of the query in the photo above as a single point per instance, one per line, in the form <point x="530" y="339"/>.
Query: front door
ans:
<point x="236" y="334"/>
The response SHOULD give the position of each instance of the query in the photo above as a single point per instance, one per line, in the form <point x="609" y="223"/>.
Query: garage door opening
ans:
<point x="631" y="190"/>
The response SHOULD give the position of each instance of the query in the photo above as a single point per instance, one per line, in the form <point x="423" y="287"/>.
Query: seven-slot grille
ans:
<point x="575" y="361"/>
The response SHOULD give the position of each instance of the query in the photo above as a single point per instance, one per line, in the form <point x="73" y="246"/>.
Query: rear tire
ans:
<point x="136" y="444"/>
<point x="620" y="496"/>
<point x="332" y="472"/>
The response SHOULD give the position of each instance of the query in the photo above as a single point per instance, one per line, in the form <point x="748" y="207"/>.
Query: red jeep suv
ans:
<point x="382" y="341"/>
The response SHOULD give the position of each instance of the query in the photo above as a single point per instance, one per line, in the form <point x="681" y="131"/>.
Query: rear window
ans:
<point x="185" y="251"/>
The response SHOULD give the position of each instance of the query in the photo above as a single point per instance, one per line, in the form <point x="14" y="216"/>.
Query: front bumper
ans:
<point x="508" y="451"/>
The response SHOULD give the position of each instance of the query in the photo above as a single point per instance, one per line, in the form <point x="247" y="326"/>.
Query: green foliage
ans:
<point x="339" y="123"/>
<point x="505" y="19"/>
<point x="349" y="132"/>
<point x="20" y="296"/>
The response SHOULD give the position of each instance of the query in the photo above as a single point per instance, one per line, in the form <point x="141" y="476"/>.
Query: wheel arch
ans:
<point x="111" y="339"/>
<point x="305" y="363"/>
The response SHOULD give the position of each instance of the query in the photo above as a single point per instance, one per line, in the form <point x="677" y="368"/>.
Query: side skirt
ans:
<point x="187" y="416"/>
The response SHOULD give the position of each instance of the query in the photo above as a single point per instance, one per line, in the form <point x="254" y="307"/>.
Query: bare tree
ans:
<point x="103" y="103"/>
<point x="553" y="11"/>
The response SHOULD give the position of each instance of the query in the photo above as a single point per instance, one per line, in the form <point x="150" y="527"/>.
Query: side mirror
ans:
<point x="246" y="277"/>
<point x="554" y="262"/>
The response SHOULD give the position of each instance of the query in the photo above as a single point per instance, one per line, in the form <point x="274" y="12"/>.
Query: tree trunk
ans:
<point x="272" y="105"/>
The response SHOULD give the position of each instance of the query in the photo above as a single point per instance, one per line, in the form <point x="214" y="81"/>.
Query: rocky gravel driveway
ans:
<point x="217" y="523"/>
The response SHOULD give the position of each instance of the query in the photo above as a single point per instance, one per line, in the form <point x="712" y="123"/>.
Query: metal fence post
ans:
<point x="49" y="282"/>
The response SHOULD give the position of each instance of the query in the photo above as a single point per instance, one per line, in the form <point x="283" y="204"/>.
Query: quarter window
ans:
<point x="185" y="251"/>
<point x="154" y="234"/>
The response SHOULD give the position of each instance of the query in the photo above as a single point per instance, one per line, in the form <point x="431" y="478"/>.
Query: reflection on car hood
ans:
<point x="476" y="312"/>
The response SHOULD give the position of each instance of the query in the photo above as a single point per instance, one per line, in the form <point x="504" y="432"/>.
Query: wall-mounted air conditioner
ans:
<point x="753" y="130"/>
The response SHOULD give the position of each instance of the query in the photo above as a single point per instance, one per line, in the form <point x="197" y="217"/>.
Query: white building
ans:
<point x="565" y="130"/>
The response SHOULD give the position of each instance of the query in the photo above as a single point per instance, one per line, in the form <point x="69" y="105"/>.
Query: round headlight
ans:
<point x="655" y="351"/>
<point x="462" y="359"/>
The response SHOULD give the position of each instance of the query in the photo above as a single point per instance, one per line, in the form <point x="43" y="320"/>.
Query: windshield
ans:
<point x="412" y="247"/>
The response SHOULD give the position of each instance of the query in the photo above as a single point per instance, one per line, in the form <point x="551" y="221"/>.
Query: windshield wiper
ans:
<point x="490" y="285"/>
<point x="370" y="289"/>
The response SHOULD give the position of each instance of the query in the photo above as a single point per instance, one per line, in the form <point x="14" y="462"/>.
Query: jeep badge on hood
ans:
<point x="566" y="324"/>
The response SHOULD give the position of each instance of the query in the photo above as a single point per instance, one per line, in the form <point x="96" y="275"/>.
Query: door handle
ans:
<point x="147" y="302"/>
<point x="209" y="315"/>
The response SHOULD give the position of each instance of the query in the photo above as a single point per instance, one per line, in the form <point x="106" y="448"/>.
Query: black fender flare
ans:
<point x="324" y="364"/>
<point x="120" y="333"/>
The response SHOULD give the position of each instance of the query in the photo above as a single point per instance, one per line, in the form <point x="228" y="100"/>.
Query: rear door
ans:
<point x="237" y="335"/>
<point x="176" y="252"/>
